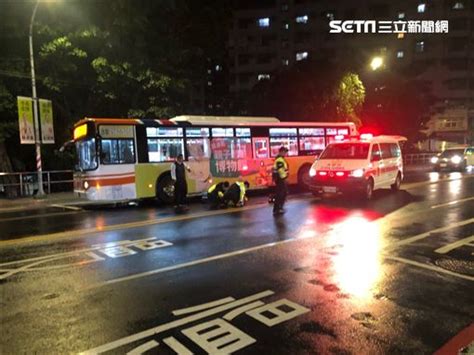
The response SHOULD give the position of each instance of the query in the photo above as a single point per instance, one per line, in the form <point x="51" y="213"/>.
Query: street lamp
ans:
<point x="376" y="63"/>
<point x="39" y="168"/>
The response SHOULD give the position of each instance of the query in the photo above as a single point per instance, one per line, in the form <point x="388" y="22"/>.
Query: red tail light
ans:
<point x="322" y="173"/>
<point x="339" y="173"/>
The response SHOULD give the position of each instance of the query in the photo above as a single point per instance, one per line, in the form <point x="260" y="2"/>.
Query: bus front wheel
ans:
<point x="165" y="189"/>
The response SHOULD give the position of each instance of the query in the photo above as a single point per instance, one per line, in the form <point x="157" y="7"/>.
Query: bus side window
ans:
<point x="260" y="147"/>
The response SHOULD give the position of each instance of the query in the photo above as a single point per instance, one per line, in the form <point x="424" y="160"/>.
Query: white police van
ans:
<point x="358" y="166"/>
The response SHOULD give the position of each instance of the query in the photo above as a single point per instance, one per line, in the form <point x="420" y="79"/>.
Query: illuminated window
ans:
<point x="209" y="83"/>
<point x="197" y="132"/>
<point x="264" y="22"/>
<point x="401" y="15"/>
<point x="117" y="151"/>
<point x="301" y="55"/>
<point x="242" y="132"/>
<point x="164" y="132"/>
<point x="285" y="61"/>
<point x="421" y="8"/>
<point x="263" y="77"/>
<point x="401" y="36"/>
<point x="286" y="26"/>
<point x="330" y="16"/>
<point x="420" y="46"/>
<point x="302" y="19"/>
<point x="222" y="132"/>
<point x="218" y="68"/>
<point x="400" y="54"/>
<point x="458" y="5"/>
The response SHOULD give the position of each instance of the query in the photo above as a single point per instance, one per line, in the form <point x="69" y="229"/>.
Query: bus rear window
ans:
<point x="346" y="151"/>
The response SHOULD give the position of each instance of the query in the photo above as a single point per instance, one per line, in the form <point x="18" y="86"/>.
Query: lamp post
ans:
<point x="39" y="168"/>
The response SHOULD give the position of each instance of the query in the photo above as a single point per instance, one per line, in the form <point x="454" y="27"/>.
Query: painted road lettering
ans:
<point x="216" y="335"/>
<point x="96" y="253"/>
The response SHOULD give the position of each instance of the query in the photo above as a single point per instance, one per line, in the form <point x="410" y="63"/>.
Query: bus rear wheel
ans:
<point x="165" y="190"/>
<point x="303" y="176"/>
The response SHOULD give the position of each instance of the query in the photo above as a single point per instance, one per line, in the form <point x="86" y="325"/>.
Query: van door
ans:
<point x="377" y="164"/>
<point x="390" y="168"/>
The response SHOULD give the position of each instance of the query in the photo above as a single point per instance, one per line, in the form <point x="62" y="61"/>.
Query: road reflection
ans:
<point x="356" y="266"/>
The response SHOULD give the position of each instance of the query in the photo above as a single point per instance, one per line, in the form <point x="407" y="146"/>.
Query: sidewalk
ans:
<point x="30" y="203"/>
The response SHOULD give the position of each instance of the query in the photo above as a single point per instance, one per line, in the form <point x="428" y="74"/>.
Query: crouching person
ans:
<point x="215" y="194"/>
<point x="236" y="194"/>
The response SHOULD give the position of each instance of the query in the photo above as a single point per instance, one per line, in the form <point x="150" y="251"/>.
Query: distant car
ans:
<point x="358" y="166"/>
<point x="459" y="159"/>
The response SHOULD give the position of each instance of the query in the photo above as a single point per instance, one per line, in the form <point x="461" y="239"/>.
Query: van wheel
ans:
<point x="165" y="190"/>
<point x="369" y="190"/>
<point x="396" y="185"/>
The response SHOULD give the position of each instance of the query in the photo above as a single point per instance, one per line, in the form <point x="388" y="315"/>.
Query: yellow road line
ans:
<point x="114" y="227"/>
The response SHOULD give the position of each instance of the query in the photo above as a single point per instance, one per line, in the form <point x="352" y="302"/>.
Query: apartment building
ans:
<point x="268" y="36"/>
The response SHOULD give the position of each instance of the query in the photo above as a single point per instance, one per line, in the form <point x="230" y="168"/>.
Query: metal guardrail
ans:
<point x="418" y="158"/>
<point x="26" y="183"/>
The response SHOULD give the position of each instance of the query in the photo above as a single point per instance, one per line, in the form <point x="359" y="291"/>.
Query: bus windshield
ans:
<point x="346" y="151"/>
<point x="86" y="154"/>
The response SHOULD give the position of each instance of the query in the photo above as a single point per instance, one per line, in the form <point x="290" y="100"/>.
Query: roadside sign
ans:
<point x="25" y="120"/>
<point x="46" y="119"/>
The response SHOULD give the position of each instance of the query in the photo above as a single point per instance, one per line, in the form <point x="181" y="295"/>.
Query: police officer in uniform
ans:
<point x="178" y="174"/>
<point x="215" y="194"/>
<point x="280" y="174"/>
<point x="236" y="194"/>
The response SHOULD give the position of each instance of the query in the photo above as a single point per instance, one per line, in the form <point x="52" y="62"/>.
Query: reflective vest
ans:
<point x="242" y="190"/>
<point x="213" y="187"/>
<point x="280" y="167"/>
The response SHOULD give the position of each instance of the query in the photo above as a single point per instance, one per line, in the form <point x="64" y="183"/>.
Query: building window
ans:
<point x="421" y="8"/>
<point x="401" y="15"/>
<point x="264" y="22"/>
<point x="400" y="54"/>
<point x="263" y="77"/>
<point x="286" y="26"/>
<point x="458" y="5"/>
<point x="218" y="68"/>
<point x="302" y="19"/>
<point x="284" y="7"/>
<point x="330" y="16"/>
<point x="209" y="83"/>
<point x="285" y="61"/>
<point x="401" y="36"/>
<point x="420" y="46"/>
<point x="301" y="55"/>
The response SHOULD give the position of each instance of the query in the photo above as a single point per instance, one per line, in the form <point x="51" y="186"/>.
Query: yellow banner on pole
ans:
<point x="25" y="120"/>
<point x="46" y="119"/>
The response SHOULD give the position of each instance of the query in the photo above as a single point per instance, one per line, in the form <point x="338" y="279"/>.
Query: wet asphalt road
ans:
<point x="395" y="275"/>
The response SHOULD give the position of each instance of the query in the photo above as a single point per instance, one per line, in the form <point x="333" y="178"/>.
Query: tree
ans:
<point x="349" y="97"/>
<point x="397" y="105"/>
<point x="310" y="91"/>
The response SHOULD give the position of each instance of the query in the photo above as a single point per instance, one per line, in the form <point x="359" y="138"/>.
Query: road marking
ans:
<point x="52" y="214"/>
<point x="453" y="202"/>
<point x="114" y="227"/>
<point x="195" y="262"/>
<point x="429" y="267"/>
<point x="177" y="323"/>
<point x="459" y="243"/>
<point x="67" y="207"/>
<point x="203" y="306"/>
<point x="176" y="346"/>
<point x="427" y="234"/>
<point x="142" y="349"/>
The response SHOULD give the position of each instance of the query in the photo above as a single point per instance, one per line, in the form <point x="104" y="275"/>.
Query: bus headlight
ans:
<point x="312" y="172"/>
<point x="357" y="173"/>
<point x="456" y="159"/>
<point x="86" y="185"/>
<point x="434" y="160"/>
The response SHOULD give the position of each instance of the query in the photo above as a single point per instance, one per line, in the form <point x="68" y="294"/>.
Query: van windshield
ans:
<point x="346" y="151"/>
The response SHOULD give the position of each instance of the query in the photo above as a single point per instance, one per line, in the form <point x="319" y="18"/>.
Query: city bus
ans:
<point x="123" y="159"/>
